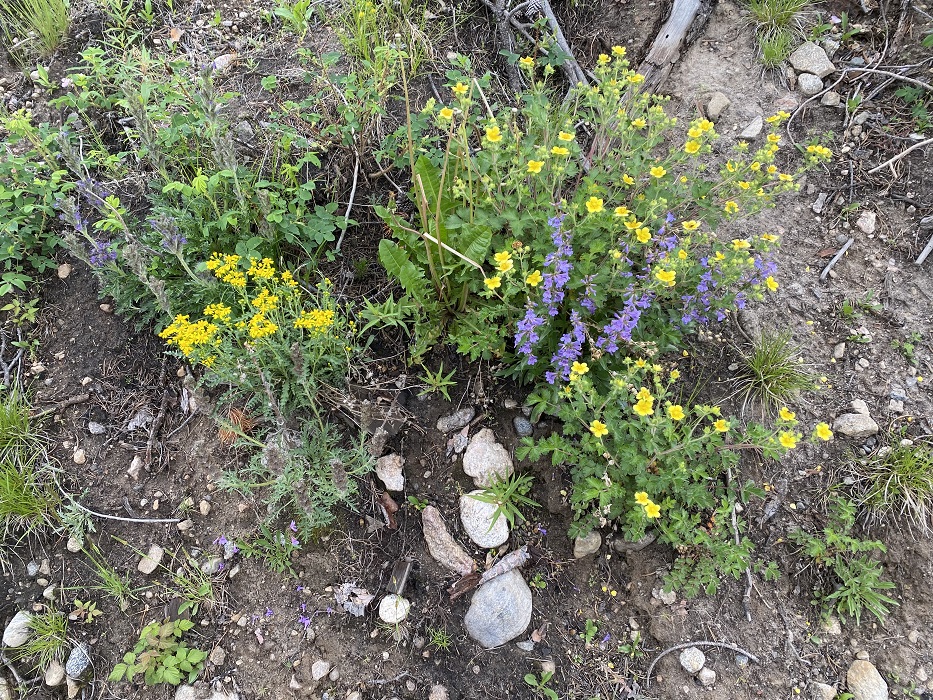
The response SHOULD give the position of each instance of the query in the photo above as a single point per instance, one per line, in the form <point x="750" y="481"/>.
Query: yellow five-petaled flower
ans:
<point x="598" y="428"/>
<point x="788" y="440"/>
<point x="641" y="498"/>
<point x="823" y="432"/>
<point x="493" y="282"/>
<point x="534" y="166"/>
<point x="594" y="205"/>
<point x="534" y="279"/>
<point x="676" y="412"/>
<point x="721" y="425"/>
<point x="493" y="134"/>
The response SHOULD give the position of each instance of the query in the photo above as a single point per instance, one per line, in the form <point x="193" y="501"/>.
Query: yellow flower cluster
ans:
<point x="645" y="404"/>
<point x="318" y="321"/>
<point x="819" y="152"/>
<point x="261" y="269"/>
<point x="218" y="312"/>
<point x="226" y="268"/>
<point x="265" y="301"/>
<point x="652" y="509"/>
<point x="260" y="326"/>
<point x="187" y="336"/>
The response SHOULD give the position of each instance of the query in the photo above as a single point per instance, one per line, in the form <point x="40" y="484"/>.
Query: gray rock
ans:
<point x="830" y="46"/>
<point x="620" y="544"/>
<point x="54" y="674"/>
<point x="389" y="471"/>
<point x="185" y="525"/>
<point x="839" y="351"/>
<point x="753" y="130"/>
<point x="822" y="691"/>
<point x="500" y="610"/>
<point x="17" y="632"/>
<point x="707" y="677"/>
<point x="820" y="203"/>
<point x="438" y="692"/>
<point x="442" y="546"/>
<point x="455" y="421"/>
<point x="78" y="665"/>
<point x="855" y="425"/>
<point x="859" y="405"/>
<point x="72" y="688"/>
<point x="587" y="544"/>
<point x="523" y="426"/>
<point x="319" y="669"/>
<point x="809" y="84"/>
<point x="202" y="692"/>
<point x="74" y="545"/>
<point x="354" y="695"/>
<point x="486" y="460"/>
<point x="32" y="569"/>
<point x="217" y="656"/>
<point x="865" y="683"/>
<point x="244" y="131"/>
<point x="867" y="221"/>
<point x="95" y="428"/>
<point x="5" y="692"/>
<point x="151" y="561"/>
<point x="477" y="519"/>
<point x="831" y="99"/>
<point x="692" y="660"/>
<point x="810" y="58"/>
<point x="393" y="609"/>
<point x="212" y="565"/>
<point x="718" y="103"/>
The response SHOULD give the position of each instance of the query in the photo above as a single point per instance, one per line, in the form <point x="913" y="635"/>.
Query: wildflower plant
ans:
<point x="577" y="242"/>
<point x="640" y="458"/>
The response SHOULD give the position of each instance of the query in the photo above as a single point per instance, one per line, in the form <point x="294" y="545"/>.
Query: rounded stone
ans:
<point x="587" y="544"/>
<point x="865" y="683"/>
<point x="477" y="519"/>
<point x="486" y="460"/>
<point x="393" y="609"/>
<point x="500" y="610"/>
<point x="692" y="660"/>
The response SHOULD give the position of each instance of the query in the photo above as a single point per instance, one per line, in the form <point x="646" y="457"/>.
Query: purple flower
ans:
<point x="292" y="526"/>
<point x="526" y="337"/>
<point x="571" y="345"/>
<point x="269" y="612"/>
<point x="560" y="266"/>
<point x="304" y="620"/>
<point x="100" y="253"/>
<point x="295" y="542"/>
<point x="222" y="541"/>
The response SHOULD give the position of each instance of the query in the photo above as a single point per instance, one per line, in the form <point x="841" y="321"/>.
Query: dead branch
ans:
<point x="74" y="400"/>
<point x="836" y="258"/>
<point x="685" y="645"/>
<point x="665" y="49"/>
<point x="892" y="161"/>
<point x="926" y="251"/>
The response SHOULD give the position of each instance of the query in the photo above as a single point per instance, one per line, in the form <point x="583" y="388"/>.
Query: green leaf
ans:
<point x="117" y="673"/>
<point x="399" y="265"/>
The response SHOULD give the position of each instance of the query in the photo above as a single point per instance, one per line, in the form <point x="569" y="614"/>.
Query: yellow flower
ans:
<point x="705" y="125"/>
<point x="505" y="266"/>
<point x="694" y="132"/>
<point x="788" y="440"/>
<point x="744" y="184"/>
<point x="786" y="413"/>
<point x="721" y="425"/>
<point x="628" y="179"/>
<point x="446" y="113"/>
<point x="641" y="363"/>
<point x="263" y="269"/>
<point x="666" y="276"/>
<point x="603" y="59"/>
<point x="675" y="374"/>
<point x="731" y="207"/>
<point x="641" y="498"/>
<point x="493" y="134"/>
<point x="676" y="412"/>
<point x="260" y="326"/>
<point x="773" y="138"/>
<point x="265" y="301"/>
<point x="594" y="205"/>
<point x="719" y="255"/>
<point x="771" y="283"/>
<point x="691" y="225"/>
<point x="621" y="211"/>
<point x="636" y="78"/>
<point x="502" y="256"/>
<point x="639" y="123"/>
<point x="565" y="136"/>
<point x="656" y="368"/>
<point x="682" y="254"/>
<point x="692" y="147"/>
<point x="770" y="237"/>
<point x="740" y="244"/>
<point x="823" y="432"/>
<point x="618" y="51"/>
<point x="493" y="282"/>
<point x="580" y="368"/>
<point x="289" y="279"/>
<point x="658" y="171"/>
<point x="643" y="234"/>
<point x="460" y="89"/>
<point x="317" y="321"/>
<point x="772" y="169"/>
<point x="534" y="279"/>
<point x="526" y="62"/>
<point x="598" y="428"/>
<point x="220" y="312"/>
<point x="644" y="407"/>
<point x="652" y="510"/>
<point x="616" y="254"/>
<point x="560" y="151"/>
<point x="534" y="166"/>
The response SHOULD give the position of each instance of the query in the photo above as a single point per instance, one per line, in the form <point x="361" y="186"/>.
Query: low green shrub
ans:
<point x="161" y="656"/>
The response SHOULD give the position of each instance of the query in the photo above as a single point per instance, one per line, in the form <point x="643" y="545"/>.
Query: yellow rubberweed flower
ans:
<point x="628" y="179"/>
<point x="534" y="279"/>
<point x="598" y="428"/>
<point x="603" y="59"/>
<point x="317" y="321"/>
<point x="594" y="205"/>
<point x="740" y="244"/>
<point x="676" y="412"/>
<point x="639" y="123"/>
<point x="641" y="363"/>
<point x="262" y="269"/>
<point x="219" y="312"/>
<point x="618" y="51"/>
<point x="265" y="302"/>
<point x="260" y="326"/>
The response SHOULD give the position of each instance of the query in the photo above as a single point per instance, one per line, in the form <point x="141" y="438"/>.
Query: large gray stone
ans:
<point x="442" y="546"/>
<point x="865" y="683"/>
<point x="151" y="561"/>
<point x="17" y="632"/>
<point x="692" y="660"/>
<point x="486" y="460"/>
<point x="855" y="425"/>
<point x="810" y="58"/>
<point x="500" y="610"/>
<point x="5" y="692"/>
<point x="477" y="519"/>
<point x="587" y="544"/>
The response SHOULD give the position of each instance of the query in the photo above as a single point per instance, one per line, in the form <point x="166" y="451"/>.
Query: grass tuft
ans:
<point x="37" y="25"/>
<point x="771" y="373"/>
<point x="779" y="25"/>
<point x="898" y="483"/>
<point x="48" y="639"/>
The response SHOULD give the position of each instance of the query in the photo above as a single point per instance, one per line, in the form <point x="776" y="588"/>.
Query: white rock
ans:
<point x="587" y="544"/>
<point x="80" y="456"/>
<point x="17" y="632"/>
<point x="822" y="691"/>
<point x="477" y="516"/>
<point x="859" y="406"/>
<point x="865" y="683"/>
<point x="831" y="99"/>
<point x="74" y="545"/>
<point x="855" y="425"/>
<point x="500" y="610"/>
<point x="354" y="695"/>
<point x="692" y="660"/>
<point x="718" y="103"/>
<point x="5" y="692"/>
<point x="54" y="674"/>
<point x="707" y="677"/>
<point x="867" y="221"/>
<point x="457" y="420"/>
<point x="809" y="84"/>
<point x="393" y="609"/>
<point x="64" y="270"/>
<point x="438" y="692"/>
<point x="810" y="58"/>
<point x="389" y="471"/>
<point x="135" y="468"/>
<point x="185" y="525"/>
<point x="319" y="669"/>
<point x="485" y="459"/>
<point x="151" y="561"/>
<point x="204" y="507"/>
<point x="753" y="129"/>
